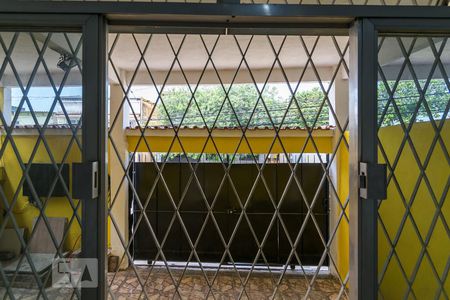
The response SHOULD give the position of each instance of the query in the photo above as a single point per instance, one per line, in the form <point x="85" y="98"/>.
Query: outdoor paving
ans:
<point x="227" y="285"/>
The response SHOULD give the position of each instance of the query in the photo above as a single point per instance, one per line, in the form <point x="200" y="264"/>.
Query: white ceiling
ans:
<point x="226" y="55"/>
<point x="25" y="56"/>
<point x="193" y="57"/>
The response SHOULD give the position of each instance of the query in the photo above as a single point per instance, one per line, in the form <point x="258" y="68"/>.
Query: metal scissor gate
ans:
<point x="223" y="150"/>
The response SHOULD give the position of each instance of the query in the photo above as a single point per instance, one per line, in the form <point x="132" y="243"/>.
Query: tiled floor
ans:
<point x="227" y="285"/>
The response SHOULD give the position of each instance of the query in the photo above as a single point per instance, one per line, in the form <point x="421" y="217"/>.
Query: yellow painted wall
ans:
<point x="392" y="209"/>
<point x="230" y="144"/>
<point x="24" y="212"/>
<point x="342" y="234"/>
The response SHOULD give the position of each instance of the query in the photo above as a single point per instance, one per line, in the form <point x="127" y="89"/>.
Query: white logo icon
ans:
<point x="75" y="273"/>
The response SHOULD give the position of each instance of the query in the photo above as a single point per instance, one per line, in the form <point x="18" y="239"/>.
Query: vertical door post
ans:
<point x="363" y="148"/>
<point x="94" y="148"/>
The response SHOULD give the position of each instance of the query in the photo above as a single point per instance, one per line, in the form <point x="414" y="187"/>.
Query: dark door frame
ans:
<point x="362" y="22"/>
<point x="221" y="12"/>
<point x="93" y="128"/>
<point x="364" y="138"/>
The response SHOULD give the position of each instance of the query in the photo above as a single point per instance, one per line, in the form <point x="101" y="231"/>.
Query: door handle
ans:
<point x="85" y="180"/>
<point x="372" y="181"/>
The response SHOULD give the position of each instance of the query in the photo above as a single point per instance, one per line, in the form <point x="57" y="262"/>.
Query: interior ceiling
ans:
<point x="25" y="53"/>
<point x="226" y="55"/>
<point x="192" y="56"/>
<point x="391" y="52"/>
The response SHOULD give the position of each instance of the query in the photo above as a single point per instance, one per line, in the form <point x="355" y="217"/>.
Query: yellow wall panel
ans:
<point x="342" y="234"/>
<point x="422" y="210"/>
<point x="261" y="145"/>
<point x="24" y="211"/>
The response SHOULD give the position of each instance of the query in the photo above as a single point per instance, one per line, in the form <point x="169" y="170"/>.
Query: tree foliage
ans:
<point x="406" y="106"/>
<point x="242" y="107"/>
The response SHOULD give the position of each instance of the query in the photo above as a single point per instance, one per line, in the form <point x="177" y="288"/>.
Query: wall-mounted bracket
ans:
<point x="372" y="181"/>
<point x="85" y="180"/>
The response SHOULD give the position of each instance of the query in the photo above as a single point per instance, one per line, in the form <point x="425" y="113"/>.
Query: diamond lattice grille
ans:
<point x="413" y="135"/>
<point x="40" y="93"/>
<point x="210" y="138"/>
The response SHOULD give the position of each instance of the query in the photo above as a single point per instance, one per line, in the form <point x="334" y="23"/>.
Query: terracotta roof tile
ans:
<point x="327" y="127"/>
<point x="47" y="127"/>
<point x="65" y="126"/>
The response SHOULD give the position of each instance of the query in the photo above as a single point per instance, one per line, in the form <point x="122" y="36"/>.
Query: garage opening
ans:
<point x="228" y="165"/>
<point x="227" y="210"/>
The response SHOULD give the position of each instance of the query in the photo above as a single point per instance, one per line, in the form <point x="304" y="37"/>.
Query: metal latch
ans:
<point x="372" y="181"/>
<point x="85" y="180"/>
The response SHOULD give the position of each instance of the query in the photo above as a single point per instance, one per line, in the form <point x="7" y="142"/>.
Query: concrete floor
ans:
<point x="227" y="285"/>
